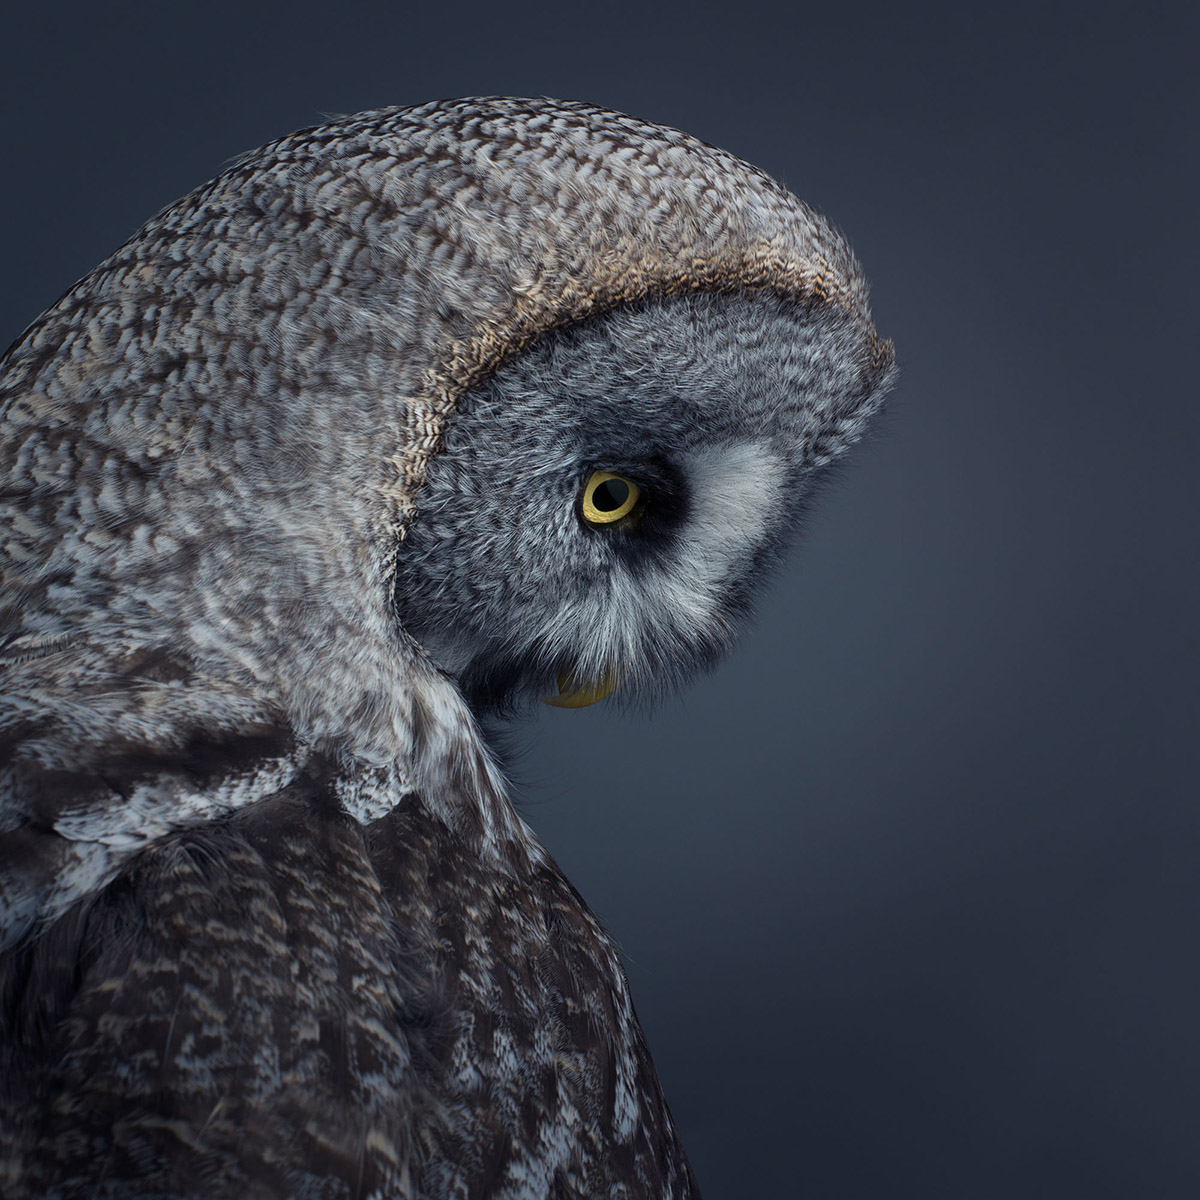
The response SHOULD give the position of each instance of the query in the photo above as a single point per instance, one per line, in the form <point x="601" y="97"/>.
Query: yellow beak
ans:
<point x="575" y="695"/>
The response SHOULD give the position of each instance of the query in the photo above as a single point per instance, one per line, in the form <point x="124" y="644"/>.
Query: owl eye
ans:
<point x="607" y="498"/>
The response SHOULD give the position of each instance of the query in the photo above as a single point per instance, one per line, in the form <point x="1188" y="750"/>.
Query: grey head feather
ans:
<point x="214" y="446"/>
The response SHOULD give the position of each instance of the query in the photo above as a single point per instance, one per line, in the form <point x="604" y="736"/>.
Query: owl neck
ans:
<point x="102" y="757"/>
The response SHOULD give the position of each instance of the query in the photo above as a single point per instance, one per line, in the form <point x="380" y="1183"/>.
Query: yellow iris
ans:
<point x="608" y="498"/>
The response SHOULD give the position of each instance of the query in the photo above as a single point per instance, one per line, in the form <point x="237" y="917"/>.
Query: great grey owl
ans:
<point x="401" y="419"/>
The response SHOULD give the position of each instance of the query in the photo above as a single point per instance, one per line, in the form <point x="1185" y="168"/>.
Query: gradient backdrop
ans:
<point x="909" y="888"/>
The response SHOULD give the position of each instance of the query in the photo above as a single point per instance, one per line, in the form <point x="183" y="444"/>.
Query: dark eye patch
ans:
<point x="646" y="535"/>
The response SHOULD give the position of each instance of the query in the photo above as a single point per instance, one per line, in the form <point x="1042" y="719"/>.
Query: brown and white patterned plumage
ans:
<point x="287" y="496"/>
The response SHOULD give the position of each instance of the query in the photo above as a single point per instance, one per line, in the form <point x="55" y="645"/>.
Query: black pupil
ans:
<point x="610" y="495"/>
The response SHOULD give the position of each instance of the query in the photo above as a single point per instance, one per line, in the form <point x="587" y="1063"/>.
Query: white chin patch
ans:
<point x="736" y="489"/>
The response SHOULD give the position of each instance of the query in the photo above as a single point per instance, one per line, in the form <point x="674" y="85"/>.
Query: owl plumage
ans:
<point x="291" y="492"/>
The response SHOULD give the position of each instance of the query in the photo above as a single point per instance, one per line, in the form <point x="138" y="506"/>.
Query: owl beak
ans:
<point x="572" y="694"/>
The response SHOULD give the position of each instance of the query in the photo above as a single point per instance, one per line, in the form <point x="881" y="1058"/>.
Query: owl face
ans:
<point x="605" y="504"/>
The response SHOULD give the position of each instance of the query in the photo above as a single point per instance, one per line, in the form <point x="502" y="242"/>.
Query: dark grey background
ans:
<point x="909" y="888"/>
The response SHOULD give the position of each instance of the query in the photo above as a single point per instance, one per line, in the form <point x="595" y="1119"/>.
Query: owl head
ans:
<point x="683" y="349"/>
